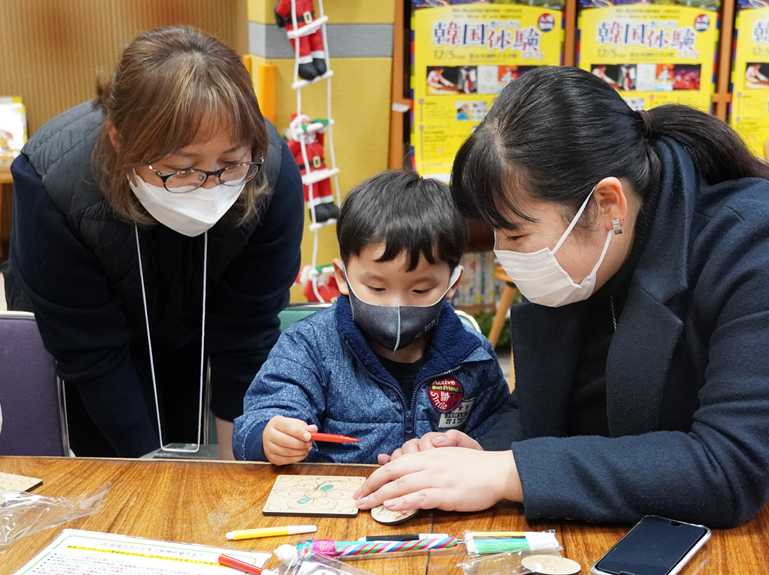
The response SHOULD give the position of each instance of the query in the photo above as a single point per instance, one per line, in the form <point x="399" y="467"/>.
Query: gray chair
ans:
<point x="31" y="396"/>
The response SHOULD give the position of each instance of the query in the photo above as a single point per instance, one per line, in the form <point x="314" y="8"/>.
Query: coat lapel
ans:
<point x="649" y="329"/>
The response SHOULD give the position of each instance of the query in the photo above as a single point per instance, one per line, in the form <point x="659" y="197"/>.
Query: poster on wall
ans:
<point x="652" y="52"/>
<point x="749" y="110"/>
<point x="463" y="53"/>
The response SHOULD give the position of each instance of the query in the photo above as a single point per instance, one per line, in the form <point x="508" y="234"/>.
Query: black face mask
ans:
<point x="395" y="327"/>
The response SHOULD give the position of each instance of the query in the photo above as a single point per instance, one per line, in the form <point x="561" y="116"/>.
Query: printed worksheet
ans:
<point x="76" y="552"/>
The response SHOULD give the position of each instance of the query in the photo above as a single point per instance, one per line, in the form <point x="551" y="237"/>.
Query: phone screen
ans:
<point x="655" y="546"/>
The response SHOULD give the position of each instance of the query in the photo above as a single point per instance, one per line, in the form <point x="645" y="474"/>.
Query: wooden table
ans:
<point x="198" y="502"/>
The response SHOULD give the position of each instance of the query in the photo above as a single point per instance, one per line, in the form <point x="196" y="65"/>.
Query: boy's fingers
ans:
<point x="291" y="443"/>
<point x="295" y="428"/>
<point x="411" y="446"/>
<point x="383" y="458"/>
<point x="455" y="438"/>
<point x="283" y="451"/>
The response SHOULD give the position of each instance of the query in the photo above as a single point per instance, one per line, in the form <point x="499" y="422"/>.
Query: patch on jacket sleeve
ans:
<point x="446" y="395"/>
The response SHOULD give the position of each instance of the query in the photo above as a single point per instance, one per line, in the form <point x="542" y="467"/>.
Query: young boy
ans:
<point x="390" y="360"/>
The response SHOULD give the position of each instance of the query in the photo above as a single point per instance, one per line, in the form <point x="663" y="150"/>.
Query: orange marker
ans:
<point x="244" y="567"/>
<point x="332" y="438"/>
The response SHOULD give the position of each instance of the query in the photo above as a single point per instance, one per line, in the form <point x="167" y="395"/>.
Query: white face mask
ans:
<point x="191" y="213"/>
<point x="541" y="278"/>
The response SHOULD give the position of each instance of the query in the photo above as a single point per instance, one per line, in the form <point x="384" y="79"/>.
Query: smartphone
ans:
<point x="654" y="546"/>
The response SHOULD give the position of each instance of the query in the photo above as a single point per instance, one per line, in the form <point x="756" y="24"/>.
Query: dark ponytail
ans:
<point x="553" y="134"/>
<point x="718" y="152"/>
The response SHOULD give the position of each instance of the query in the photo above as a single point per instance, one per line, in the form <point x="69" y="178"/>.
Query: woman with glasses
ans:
<point x="156" y="235"/>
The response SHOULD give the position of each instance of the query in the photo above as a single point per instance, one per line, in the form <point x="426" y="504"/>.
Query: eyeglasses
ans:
<point x="185" y="181"/>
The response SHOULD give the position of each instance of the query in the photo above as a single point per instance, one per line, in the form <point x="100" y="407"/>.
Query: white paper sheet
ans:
<point x="76" y="552"/>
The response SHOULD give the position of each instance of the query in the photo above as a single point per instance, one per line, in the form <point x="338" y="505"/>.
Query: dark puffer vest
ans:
<point x="74" y="262"/>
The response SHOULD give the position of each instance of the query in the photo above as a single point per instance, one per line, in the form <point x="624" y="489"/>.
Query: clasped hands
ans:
<point x="448" y="471"/>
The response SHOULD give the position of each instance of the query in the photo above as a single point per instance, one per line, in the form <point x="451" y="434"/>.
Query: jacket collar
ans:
<point x="450" y="345"/>
<point x="662" y="267"/>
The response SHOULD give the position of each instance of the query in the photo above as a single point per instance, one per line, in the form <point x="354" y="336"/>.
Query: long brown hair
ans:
<point x="174" y="86"/>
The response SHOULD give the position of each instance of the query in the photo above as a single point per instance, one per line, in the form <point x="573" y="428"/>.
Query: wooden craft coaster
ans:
<point x="550" y="565"/>
<point x="386" y="517"/>
<point x="313" y="495"/>
<point x="10" y="482"/>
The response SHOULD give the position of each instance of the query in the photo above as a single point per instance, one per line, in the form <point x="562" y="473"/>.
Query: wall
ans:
<point x="360" y="34"/>
<point x="53" y="50"/>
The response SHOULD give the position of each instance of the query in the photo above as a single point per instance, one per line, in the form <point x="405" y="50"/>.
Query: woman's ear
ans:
<point x="114" y="137"/>
<point x="612" y="202"/>
<point x="341" y="278"/>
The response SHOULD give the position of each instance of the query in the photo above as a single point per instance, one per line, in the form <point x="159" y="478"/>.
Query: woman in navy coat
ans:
<point x="641" y="242"/>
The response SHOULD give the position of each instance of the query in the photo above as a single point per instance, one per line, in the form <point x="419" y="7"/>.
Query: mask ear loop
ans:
<point x="149" y="345"/>
<point x="573" y="222"/>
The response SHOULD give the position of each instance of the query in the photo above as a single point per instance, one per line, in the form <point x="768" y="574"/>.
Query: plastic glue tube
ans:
<point x="483" y="542"/>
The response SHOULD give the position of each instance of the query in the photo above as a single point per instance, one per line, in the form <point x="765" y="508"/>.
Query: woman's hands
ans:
<point x="286" y="440"/>
<point x="463" y="478"/>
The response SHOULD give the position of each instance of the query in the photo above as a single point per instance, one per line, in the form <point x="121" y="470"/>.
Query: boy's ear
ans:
<point x="341" y="279"/>
<point x="455" y="286"/>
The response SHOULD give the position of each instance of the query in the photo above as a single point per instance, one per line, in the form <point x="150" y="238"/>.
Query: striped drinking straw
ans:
<point x="361" y="548"/>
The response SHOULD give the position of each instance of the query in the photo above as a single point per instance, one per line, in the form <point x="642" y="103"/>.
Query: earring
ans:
<point x="617" y="227"/>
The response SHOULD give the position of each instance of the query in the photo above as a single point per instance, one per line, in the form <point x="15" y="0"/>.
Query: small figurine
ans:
<point x="312" y="133"/>
<point x="312" y="54"/>
<point x="325" y="283"/>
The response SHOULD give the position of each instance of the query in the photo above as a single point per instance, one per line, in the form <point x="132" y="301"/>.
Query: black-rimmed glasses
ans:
<point x="184" y="181"/>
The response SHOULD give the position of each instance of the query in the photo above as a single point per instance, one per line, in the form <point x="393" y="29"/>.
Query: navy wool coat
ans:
<point x="687" y="375"/>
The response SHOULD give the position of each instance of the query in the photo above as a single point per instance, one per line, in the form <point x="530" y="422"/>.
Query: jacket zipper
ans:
<point x="408" y="428"/>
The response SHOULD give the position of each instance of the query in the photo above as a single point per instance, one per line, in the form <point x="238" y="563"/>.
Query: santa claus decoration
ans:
<point x="317" y="195"/>
<point x="312" y="54"/>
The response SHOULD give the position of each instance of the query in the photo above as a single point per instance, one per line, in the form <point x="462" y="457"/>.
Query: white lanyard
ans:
<point x="202" y="347"/>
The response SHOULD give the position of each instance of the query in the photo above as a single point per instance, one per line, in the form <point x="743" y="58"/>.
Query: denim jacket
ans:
<point x="323" y="372"/>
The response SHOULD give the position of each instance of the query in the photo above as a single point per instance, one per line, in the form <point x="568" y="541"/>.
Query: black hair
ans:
<point x="405" y="213"/>
<point x="553" y="134"/>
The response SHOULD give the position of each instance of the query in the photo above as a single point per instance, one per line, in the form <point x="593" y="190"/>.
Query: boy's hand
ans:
<point x="432" y="440"/>
<point x="286" y="440"/>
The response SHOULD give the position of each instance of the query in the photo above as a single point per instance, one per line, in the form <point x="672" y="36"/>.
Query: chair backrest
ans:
<point x="295" y="312"/>
<point x="30" y="393"/>
<point x="468" y="320"/>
